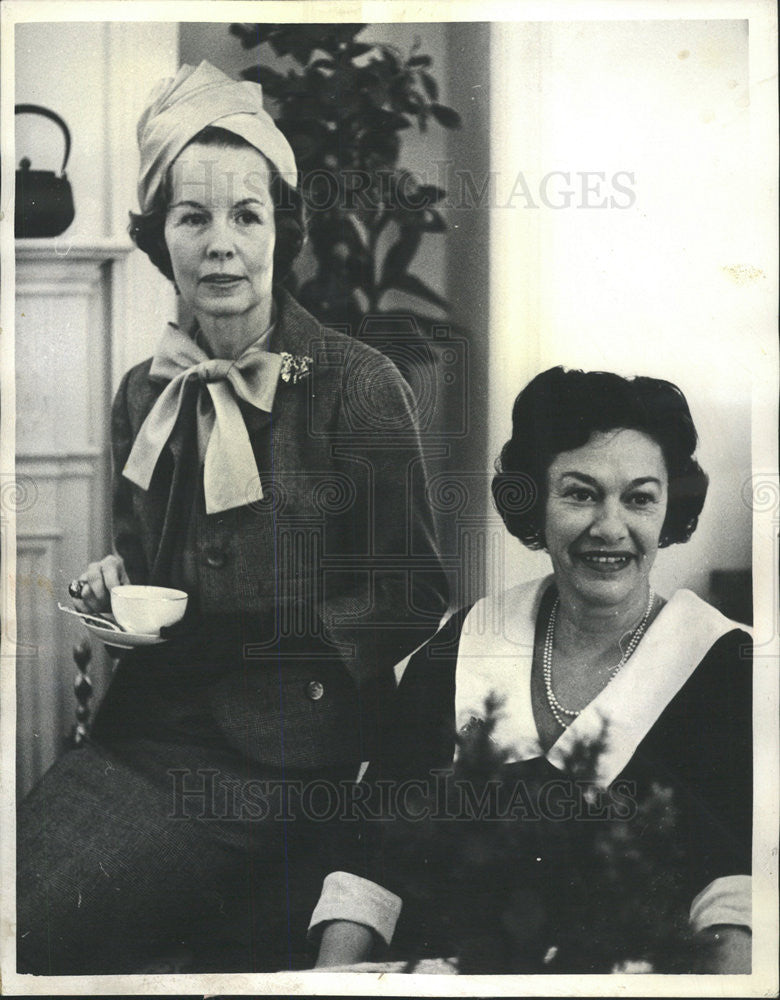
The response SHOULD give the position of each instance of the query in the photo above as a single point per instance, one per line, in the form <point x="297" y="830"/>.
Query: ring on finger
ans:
<point x="76" y="588"/>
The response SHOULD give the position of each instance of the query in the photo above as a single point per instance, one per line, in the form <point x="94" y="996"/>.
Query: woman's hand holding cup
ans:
<point x="91" y="591"/>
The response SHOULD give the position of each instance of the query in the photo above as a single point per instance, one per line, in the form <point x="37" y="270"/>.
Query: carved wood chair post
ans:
<point x="82" y="687"/>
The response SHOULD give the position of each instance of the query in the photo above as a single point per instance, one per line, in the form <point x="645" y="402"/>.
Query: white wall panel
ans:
<point x="88" y="306"/>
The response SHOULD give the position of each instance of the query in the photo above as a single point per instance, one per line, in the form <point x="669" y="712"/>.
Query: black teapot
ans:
<point x="44" y="200"/>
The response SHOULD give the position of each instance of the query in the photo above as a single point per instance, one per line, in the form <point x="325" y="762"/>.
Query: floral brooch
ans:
<point x="294" y="367"/>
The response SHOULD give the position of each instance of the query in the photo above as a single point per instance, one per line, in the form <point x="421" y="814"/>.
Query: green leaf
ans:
<point x="408" y="102"/>
<point x="414" y="286"/>
<point x="390" y="58"/>
<point x="400" y="256"/>
<point x="390" y="121"/>
<point x="247" y="35"/>
<point x="381" y="144"/>
<point x="303" y="106"/>
<point x="308" y="138"/>
<point x="445" y="116"/>
<point x="359" y="49"/>
<point x="297" y="40"/>
<point x="432" y="222"/>
<point x="431" y="86"/>
<point x="338" y="34"/>
<point x="431" y="193"/>
<point x="273" y="83"/>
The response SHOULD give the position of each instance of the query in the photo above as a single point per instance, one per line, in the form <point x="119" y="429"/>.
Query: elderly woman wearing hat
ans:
<point x="268" y="467"/>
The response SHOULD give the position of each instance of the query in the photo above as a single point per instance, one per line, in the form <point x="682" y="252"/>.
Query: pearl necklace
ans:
<point x="557" y="709"/>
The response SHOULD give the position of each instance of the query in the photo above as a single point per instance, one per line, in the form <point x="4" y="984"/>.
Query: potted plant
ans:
<point x="343" y="107"/>
<point x="529" y="875"/>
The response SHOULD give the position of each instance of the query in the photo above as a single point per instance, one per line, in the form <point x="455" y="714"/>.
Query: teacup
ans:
<point x="145" y="610"/>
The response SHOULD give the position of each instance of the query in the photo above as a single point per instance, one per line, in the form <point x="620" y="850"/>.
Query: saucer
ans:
<point x="121" y="640"/>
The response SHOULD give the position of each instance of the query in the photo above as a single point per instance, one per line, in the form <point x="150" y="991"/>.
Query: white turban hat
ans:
<point x="181" y="106"/>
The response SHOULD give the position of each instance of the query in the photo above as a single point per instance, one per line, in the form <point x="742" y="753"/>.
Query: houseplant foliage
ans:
<point x="343" y="107"/>
<point x="511" y="886"/>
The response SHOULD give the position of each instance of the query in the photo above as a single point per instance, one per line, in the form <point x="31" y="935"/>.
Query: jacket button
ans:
<point x="315" y="690"/>
<point x="215" y="558"/>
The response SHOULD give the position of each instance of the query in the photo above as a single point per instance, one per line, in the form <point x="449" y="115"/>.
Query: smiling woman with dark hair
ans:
<point x="600" y="473"/>
<point x="560" y="410"/>
<point x="250" y="472"/>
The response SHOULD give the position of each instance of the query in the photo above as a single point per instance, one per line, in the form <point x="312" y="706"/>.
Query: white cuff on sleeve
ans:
<point x="349" y="897"/>
<point x="726" y="900"/>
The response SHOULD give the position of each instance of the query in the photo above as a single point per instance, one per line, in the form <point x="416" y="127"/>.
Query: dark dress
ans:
<point x="163" y="829"/>
<point x="680" y="716"/>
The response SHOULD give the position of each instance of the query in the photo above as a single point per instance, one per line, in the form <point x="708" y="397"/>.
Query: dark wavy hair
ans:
<point x="559" y="410"/>
<point x="147" y="229"/>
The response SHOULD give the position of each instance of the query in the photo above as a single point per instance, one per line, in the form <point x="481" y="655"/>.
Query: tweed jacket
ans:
<point x="301" y="603"/>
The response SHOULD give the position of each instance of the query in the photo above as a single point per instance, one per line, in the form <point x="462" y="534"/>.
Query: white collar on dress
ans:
<point x="496" y="651"/>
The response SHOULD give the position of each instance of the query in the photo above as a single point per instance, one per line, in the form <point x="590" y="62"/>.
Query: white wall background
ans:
<point x="666" y="287"/>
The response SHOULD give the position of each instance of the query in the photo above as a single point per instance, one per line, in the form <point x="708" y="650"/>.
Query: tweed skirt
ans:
<point x="126" y="851"/>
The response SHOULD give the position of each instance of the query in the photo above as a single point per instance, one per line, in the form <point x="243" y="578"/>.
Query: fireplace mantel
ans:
<point x="67" y="327"/>
<point x="61" y="249"/>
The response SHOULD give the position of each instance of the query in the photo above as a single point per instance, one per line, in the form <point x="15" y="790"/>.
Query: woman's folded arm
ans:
<point x="352" y="915"/>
